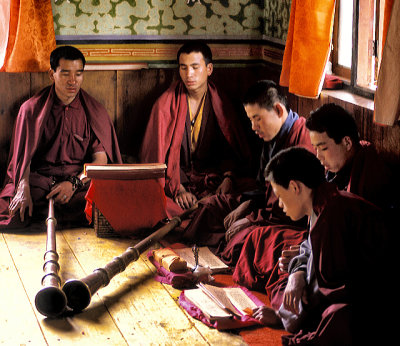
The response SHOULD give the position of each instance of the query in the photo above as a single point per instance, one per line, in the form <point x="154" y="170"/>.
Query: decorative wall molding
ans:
<point x="159" y="54"/>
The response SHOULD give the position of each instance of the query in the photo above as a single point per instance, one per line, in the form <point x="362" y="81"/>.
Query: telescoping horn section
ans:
<point x="80" y="292"/>
<point x="51" y="301"/>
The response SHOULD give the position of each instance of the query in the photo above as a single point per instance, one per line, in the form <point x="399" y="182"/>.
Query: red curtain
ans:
<point x="387" y="95"/>
<point x="307" y="46"/>
<point x="31" y="36"/>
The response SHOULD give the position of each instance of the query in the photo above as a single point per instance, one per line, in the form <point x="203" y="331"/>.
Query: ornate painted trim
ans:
<point x="152" y="54"/>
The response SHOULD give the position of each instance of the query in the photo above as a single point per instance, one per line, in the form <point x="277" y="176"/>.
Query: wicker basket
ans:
<point x="102" y="227"/>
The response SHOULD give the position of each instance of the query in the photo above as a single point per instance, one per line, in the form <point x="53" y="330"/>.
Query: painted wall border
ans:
<point x="150" y="52"/>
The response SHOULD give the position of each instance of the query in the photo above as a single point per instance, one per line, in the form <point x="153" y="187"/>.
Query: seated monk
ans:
<point x="194" y="129"/>
<point x="332" y="296"/>
<point x="56" y="132"/>
<point x="224" y="221"/>
<point x="352" y="165"/>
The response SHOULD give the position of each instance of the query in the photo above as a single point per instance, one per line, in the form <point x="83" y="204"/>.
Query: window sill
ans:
<point x="348" y="96"/>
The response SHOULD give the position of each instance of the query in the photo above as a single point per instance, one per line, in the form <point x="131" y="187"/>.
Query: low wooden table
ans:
<point x="133" y="309"/>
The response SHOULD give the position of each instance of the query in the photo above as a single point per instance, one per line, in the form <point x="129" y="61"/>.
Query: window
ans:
<point x="356" y="46"/>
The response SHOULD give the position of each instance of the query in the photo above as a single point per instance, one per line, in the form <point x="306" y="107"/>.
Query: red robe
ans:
<point x="207" y="226"/>
<point x="27" y="133"/>
<point x="366" y="176"/>
<point x="349" y="242"/>
<point x="163" y="137"/>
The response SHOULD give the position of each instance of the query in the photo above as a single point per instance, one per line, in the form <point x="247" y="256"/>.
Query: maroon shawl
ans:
<point x="257" y="267"/>
<point x="370" y="177"/>
<point x="164" y="133"/>
<point x="350" y="251"/>
<point x="29" y="126"/>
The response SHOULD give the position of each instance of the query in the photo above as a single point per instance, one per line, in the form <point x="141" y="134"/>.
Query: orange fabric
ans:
<point x="307" y="46"/>
<point x="31" y="36"/>
<point x="128" y="205"/>
<point x="387" y="95"/>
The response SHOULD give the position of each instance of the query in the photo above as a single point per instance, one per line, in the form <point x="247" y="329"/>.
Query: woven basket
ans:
<point x="102" y="227"/>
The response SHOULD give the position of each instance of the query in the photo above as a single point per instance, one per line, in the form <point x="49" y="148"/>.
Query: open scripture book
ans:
<point x="206" y="259"/>
<point x="220" y="303"/>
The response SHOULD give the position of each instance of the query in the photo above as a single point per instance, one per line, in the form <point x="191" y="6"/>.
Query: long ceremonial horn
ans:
<point x="51" y="301"/>
<point x="79" y="292"/>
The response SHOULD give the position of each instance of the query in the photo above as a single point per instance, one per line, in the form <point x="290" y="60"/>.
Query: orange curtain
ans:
<point x="387" y="95"/>
<point x="31" y="36"/>
<point x="307" y="46"/>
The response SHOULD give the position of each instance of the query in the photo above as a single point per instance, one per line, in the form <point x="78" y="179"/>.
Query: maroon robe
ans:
<point x="164" y="138"/>
<point x="348" y="269"/>
<point x="29" y="126"/>
<point x="207" y="228"/>
<point x="366" y="175"/>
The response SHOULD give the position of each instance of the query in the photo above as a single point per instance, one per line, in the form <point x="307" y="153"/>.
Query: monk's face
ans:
<point x="295" y="200"/>
<point x="67" y="79"/>
<point x="265" y="123"/>
<point x="333" y="156"/>
<point x="194" y="71"/>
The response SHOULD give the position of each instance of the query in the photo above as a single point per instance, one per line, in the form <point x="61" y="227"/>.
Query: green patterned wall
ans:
<point x="222" y="18"/>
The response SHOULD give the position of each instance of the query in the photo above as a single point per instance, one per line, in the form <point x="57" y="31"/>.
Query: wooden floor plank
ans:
<point x="141" y="307"/>
<point x="134" y="309"/>
<point x="18" y="323"/>
<point x="211" y="335"/>
<point x="94" y="326"/>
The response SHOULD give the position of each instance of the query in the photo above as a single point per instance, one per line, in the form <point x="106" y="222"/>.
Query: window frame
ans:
<point x="349" y="75"/>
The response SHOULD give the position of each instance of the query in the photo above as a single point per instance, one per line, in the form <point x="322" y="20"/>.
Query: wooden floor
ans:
<point x="133" y="309"/>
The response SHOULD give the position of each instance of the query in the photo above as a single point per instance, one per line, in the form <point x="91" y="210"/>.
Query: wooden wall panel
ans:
<point x="14" y="90"/>
<point x="39" y="80"/>
<point x="129" y="96"/>
<point x="136" y="94"/>
<point x="102" y="86"/>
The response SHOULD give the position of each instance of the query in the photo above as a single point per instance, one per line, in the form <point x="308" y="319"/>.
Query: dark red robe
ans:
<point x="29" y="125"/>
<point x="164" y="137"/>
<point x="366" y="175"/>
<point x="207" y="226"/>
<point x="349" y="242"/>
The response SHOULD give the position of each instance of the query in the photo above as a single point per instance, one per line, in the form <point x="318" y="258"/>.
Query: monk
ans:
<point x="195" y="130"/>
<point x="352" y="165"/>
<point x="330" y="295"/>
<point x="57" y="131"/>
<point x="224" y="221"/>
